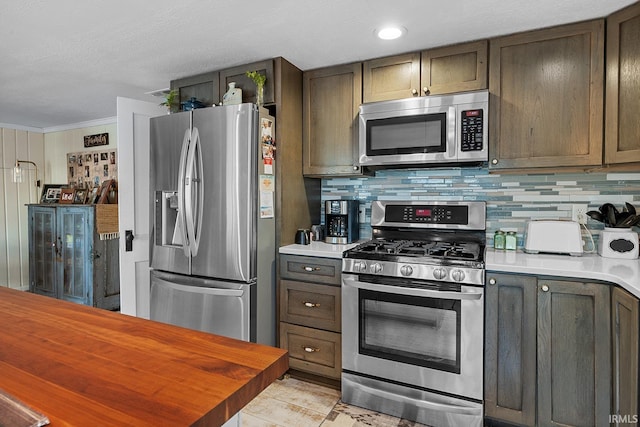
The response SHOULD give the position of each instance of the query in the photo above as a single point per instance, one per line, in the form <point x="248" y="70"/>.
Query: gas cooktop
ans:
<point x="420" y="248"/>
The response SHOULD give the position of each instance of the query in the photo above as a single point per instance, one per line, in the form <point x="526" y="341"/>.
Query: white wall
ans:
<point x="57" y="144"/>
<point x="14" y="240"/>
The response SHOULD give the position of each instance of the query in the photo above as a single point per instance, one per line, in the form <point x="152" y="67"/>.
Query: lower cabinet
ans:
<point x="624" y="320"/>
<point x="547" y="351"/>
<point x="310" y="311"/>
<point x="67" y="259"/>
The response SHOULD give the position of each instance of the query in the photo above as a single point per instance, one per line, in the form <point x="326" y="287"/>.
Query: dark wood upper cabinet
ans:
<point x="331" y="101"/>
<point x="238" y="75"/>
<point x="203" y="87"/>
<point x="393" y="77"/>
<point x="457" y="68"/>
<point x="622" y="133"/>
<point x="447" y="69"/>
<point x="546" y="106"/>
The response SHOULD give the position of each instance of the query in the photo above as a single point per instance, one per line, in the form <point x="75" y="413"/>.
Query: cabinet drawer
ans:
<point x="309" y="304"/>
<point x="311" y="269"/>
<point x="312" y="350"/>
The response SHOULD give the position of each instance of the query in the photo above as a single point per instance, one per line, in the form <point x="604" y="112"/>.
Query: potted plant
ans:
<point x="259" y="80"/>
<point x="170" y="100"/>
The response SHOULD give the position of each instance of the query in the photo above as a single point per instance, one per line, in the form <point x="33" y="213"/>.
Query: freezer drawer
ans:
<point x="221" y="308"/>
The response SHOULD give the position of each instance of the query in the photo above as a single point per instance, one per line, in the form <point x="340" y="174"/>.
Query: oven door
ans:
<point x="413" y="333"/>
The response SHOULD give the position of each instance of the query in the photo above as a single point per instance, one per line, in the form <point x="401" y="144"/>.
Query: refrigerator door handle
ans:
<point x="181" y="221"/>
<point x="205" y="290"/>
<point x="194" y="184"/>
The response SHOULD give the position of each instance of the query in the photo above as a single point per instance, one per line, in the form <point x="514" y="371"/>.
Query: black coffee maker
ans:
<point x="341" y="221"/>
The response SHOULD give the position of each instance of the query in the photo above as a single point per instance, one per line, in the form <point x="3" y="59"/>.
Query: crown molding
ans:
<point x="20" y="127"/>
<point x="90" y="123"/>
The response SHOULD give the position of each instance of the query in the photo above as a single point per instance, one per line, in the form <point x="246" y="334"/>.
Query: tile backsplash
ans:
<point x="511" y="199"/>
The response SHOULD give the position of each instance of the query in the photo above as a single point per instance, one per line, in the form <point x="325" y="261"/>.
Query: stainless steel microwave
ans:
<point x="426" y="130"/>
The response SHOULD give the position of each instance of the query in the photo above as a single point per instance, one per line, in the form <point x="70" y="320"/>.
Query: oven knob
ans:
<point x="457" y="275"/>
<point x="360" y="266"/>
<point x="439" y="273"/>
<point x="406" y="270"/>
<point x="376" y="268"/>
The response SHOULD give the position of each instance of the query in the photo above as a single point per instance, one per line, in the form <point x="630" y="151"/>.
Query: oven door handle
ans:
<point x="424" y="404"/>
<point x="417" y="292"/>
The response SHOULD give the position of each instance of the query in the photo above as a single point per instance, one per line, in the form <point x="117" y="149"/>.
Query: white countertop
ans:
<point x="623" y="272"/>
<point x="319" y="249"/>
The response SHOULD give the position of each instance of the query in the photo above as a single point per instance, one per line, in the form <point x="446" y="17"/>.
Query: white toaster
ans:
<point x="553" y="236"/>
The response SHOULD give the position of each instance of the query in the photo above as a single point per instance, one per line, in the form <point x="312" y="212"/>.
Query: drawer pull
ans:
<point x="311" y="304"/>
<point x="310" y="349"/>
<point x="306" y="268"/>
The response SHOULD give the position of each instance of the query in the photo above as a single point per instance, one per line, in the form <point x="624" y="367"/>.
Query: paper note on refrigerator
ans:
<point x="266" y="204"/>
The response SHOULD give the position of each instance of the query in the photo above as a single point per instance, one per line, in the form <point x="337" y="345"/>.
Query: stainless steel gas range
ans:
<point x="412" y="313"/>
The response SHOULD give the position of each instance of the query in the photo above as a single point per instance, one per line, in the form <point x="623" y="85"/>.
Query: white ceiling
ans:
<point x="65" y="62"/>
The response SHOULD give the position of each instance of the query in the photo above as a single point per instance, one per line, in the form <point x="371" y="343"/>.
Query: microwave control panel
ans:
<point x="472" y="128"/>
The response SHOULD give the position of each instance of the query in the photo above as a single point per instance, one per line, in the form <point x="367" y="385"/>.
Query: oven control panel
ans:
<point x="458" y="215"/>
<point x="429" y="214"/>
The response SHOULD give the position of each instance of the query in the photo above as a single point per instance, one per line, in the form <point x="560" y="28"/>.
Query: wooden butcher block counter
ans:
<point x="82" y="366"/>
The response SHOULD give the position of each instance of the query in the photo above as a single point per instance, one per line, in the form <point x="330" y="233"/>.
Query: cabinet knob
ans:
<point x="545" y="288"/>
<point x="426" y="90"/>
<point x="311" y="304"/>
<point x="494" y="161"/>
<point x="310" y="349"/>
<point x="356" y="167"/>
<point x="414" y="91"/>
<point x="492" y="281"/>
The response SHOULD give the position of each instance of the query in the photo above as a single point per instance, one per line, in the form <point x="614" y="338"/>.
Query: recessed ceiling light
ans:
<point x="390" y="33"/>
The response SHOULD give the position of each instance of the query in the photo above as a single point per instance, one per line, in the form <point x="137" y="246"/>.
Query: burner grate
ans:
<point x="421" y="249"/>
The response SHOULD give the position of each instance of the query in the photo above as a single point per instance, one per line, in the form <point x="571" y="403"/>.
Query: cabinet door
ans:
<point x="238" y="75"/>
<point x="622" y="138"/>
<point x="394" y="77"/>
<point x="203" y="87"/>
<point x="510" y="348"/>
<point x="75" y="270"/>
<point x="546" y="106"/>
<point x="43" y="250"/>
<point x="624" y="319"/>
<point x="331" y="100"/>
<point x="574" y="360"/>
<point x="456" y="68"/>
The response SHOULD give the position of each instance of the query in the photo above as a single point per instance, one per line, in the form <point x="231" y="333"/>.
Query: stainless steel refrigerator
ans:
<point x="212" y="237"/>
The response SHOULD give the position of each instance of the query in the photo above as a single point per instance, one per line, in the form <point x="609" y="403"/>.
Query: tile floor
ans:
<point x="290" y="402"/>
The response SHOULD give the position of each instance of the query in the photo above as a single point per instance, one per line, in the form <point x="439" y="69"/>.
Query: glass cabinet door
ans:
<point x="43" y="250"/>
<point x="75" y="227"/>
